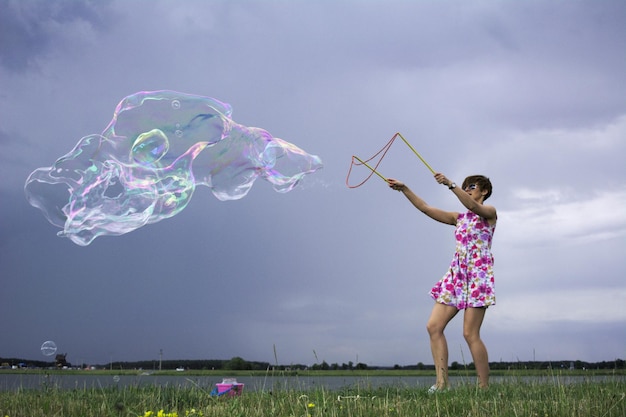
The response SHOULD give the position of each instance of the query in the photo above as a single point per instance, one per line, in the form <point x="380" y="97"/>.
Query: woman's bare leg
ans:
<point x="439" y="319"/>
<point x="472" y="321"/>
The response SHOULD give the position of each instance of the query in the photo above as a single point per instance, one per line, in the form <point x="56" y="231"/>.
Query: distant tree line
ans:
<point x="234" y="364"/>
<point x="616" y="364"/>
<point x="9" y="362"/>
<point x="240" y="364"/>
<point x="324" y="366"/>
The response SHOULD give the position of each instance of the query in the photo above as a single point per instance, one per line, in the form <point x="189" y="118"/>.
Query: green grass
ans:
<point x="511" y="398"/>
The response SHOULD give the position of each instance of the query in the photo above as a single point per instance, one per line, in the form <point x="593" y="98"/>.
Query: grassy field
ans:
<point x="513" y="397"/>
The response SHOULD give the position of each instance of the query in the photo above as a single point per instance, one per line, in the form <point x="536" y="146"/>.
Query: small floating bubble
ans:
<point x="48" y="348"/>
<point x="149" y="147"/>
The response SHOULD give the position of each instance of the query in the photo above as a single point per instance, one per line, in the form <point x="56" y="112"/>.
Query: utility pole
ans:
<point x="160" y="358"/>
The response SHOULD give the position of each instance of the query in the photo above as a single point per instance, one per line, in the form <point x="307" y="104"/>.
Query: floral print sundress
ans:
<point x="469" y="282"/>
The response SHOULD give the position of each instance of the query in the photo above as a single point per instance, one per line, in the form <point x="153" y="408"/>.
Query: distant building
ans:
<point x="60" y="361"/>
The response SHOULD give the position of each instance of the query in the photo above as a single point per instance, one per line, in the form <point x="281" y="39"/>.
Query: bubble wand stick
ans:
<point x="416" y="153"/>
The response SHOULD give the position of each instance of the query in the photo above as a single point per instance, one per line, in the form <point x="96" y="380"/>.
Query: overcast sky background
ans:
<point x="529" y="93"/>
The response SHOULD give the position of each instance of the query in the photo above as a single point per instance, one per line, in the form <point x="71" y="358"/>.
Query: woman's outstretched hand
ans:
<point x="395" y="184"/>
<point x="441" y="179"/>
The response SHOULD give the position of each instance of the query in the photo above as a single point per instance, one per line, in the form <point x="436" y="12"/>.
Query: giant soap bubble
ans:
<point x="147" y="163"/>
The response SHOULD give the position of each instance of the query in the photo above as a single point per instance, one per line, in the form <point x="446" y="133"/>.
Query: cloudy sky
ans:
<point x="530" y="93"/>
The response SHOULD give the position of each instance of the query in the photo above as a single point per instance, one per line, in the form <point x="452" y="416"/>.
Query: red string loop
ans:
<point x="358" y="162"/>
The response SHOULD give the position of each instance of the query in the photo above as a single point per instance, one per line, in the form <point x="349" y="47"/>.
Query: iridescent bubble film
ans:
<point x="146" y="164"/>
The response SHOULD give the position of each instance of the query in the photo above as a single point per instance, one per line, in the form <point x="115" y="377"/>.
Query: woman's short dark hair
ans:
<point x="481" y="181"/>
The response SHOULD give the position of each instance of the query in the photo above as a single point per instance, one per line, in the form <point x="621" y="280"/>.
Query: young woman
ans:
<point x="468" y="284"/>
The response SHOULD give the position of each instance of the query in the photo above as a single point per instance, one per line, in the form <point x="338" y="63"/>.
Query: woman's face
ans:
<point x="475" y="192"/>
